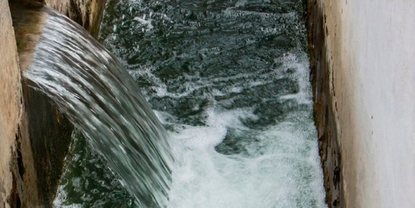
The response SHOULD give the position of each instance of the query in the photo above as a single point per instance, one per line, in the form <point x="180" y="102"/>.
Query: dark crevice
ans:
<point x="75" y="12"/>
<point x="14" y="199"/>
<point x="20" y="164"/>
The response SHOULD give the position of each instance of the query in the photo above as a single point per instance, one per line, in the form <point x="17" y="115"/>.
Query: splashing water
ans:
<point x="229" y="81"/>
<point x="101" y="99"/>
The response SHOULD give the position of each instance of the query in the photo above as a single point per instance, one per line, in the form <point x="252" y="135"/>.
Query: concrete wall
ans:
<point x="370" y="77"/>
<point x="10" y="96"/>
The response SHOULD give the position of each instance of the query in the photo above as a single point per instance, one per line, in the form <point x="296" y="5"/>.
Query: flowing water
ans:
<point x="102" y="100"/>
<point x="228" y="80"/>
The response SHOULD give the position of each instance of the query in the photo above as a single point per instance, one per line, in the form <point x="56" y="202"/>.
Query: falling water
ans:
<point x="103" y="101"/>
<point x="228" y="80"/>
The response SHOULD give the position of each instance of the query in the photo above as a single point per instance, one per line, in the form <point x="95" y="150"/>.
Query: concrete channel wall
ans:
<point x="10" y="100"/>
<point x="363" y="59"/>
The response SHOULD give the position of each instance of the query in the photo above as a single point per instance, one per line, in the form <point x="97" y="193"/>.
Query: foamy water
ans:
<point x="278" y="166"/>
<point x="229" y="81"/>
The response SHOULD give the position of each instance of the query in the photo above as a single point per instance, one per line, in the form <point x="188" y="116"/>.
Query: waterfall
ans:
<point x="103" y="101"/>
<point x="229" y="80"/>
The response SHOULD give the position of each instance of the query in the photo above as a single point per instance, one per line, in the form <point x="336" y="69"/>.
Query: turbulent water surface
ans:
<point x="229" y="81"/>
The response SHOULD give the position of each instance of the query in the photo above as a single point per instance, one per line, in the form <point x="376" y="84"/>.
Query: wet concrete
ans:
<point x="325" y="111"/>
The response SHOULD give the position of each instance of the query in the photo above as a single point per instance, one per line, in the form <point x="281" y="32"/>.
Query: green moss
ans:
<point x="20" y="45"/>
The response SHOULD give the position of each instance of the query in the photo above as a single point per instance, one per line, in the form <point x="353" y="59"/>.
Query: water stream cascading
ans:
<point x="101" y="99"/>
<point x="228" y="80"/>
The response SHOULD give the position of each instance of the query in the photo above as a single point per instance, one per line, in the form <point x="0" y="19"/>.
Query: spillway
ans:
<point x="229" y="81"/>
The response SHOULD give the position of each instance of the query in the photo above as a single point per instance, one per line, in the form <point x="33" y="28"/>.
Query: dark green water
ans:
<point x="229" y="81"/>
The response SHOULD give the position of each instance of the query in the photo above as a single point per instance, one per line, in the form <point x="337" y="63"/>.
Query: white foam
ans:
<point x="204" y="178"/>
<point x="61" y="198"/>
<point x="144" y="22"/>
<point x="301" y="75"/>
<point x="283" y="169"/>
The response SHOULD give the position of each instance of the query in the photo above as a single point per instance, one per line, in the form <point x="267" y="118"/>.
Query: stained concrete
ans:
<point x="324" y="105"/>
<point x="10" y="101"/>
<point x="370" y="58"/>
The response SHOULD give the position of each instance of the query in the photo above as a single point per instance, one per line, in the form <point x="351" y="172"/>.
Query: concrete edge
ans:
<point x="325" y="104"/>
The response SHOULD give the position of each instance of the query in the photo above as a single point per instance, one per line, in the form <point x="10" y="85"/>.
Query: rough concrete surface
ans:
<point x="370" y="56"/>
<point x="10" y="97"/>
<point x="325" y="112"/>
